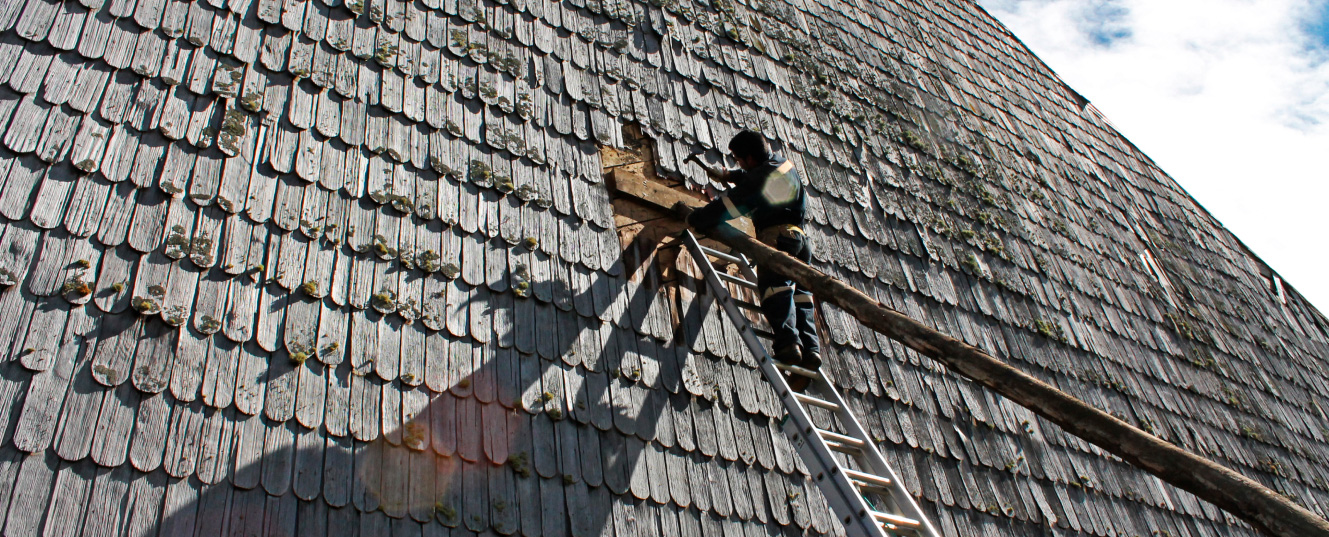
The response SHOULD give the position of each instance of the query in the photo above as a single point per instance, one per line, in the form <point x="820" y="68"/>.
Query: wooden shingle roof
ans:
<point x="298" y="267"/>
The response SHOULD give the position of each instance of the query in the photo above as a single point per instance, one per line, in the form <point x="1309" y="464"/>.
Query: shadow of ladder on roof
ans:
<point x="490" y="468"/>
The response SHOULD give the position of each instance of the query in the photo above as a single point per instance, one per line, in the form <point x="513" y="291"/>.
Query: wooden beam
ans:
<point x="656" y="197"/>
<point x="1266" y="510"/>
<point x="654" y="193"/>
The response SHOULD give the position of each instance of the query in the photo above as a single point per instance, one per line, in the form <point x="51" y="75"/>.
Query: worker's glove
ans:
<point x="680" y="207"/>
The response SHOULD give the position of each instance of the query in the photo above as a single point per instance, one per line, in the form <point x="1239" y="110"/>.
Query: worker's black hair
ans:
<point x="749" y="144"/>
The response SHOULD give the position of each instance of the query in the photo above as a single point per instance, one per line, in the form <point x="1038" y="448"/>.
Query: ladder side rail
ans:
<point x="871" y="458"/>
<point x="745" y="266"/>
<point x="852" y="511"/>
<point x="855" y="514"/>
<point x="875" y="462"/>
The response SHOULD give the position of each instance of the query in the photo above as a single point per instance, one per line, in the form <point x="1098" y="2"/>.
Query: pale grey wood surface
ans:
<point x="283" y="137"/>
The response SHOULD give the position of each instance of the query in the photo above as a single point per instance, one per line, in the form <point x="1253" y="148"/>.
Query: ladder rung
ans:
<point x="854" y="495"/>
<point x="842" y="448"/>
<point x="840" y="439"/>
<point x="721" y="255"/>
<point x="747" y="305"/>
<point x="809" y="400"/>
<point x="895" y="520"/>
<point x="874" y="480"/>
<point x="736" y="280"/>
<point x="793" y="369"/>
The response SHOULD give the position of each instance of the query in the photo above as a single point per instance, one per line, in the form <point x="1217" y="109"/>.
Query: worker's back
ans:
<point x="771" y="194"/>
<point x="774" y="191"/>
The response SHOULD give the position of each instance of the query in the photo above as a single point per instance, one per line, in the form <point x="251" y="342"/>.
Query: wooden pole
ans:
<point x="1264" y="509"/>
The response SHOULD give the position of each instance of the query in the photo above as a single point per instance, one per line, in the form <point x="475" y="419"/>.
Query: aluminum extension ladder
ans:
<point x="869" y="501"/>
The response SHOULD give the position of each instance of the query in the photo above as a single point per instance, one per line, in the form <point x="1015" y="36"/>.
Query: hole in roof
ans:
<point x="649" y="233"/>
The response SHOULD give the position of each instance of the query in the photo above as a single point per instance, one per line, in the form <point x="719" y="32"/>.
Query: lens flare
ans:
<point x="780" y="188"/>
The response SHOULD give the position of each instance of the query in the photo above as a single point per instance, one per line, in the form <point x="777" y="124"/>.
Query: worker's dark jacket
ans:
<point x="772" y="194"/>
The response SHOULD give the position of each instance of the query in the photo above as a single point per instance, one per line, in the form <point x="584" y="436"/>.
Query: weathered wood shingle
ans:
<point x="304" y="232"/>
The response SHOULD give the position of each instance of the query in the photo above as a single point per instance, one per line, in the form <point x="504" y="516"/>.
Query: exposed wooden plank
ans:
<point x="504" y="509"/>
<point x="106" y="499"/>
<point x="415" y="419"/>
<point x="80" y="413"/>
<point x="280" y="515"/>
<point x="154" y="354"/>
<point x="449" y="491"/>
<point x="391" y="414"/>
<point x="443" y="423"/>
<point x="496" y="440"/>
<point x="24" y="176"/>
<point x="246" y="511"/>
<point x="182" y="500"/>
<point x="143" y="503"/>
<point x="87" y="205"/>
<point x="393" y="487"/>
<point x="26" y="128"/>
<point x="115" y="350"/>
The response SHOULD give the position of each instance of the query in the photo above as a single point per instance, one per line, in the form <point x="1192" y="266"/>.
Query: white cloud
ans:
<point x="1229" y="97"/>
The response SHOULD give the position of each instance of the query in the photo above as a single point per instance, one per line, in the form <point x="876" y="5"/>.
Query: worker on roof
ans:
<point x="768" y="189"/>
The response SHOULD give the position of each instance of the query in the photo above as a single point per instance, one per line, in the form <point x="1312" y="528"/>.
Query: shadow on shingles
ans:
<point x="399" y="477"/>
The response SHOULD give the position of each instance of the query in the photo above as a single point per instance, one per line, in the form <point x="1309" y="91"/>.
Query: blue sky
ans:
<point x="1105" y="23"/>
<point x="1317" y="25"/>
<point x="1229" y="97"/>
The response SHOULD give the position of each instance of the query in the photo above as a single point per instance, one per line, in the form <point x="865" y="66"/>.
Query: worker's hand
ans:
<point x="680" y="207"/>
<point x="713" y="174"/>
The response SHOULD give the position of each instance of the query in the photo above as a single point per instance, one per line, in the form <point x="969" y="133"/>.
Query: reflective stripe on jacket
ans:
<point x="772" y="194"/>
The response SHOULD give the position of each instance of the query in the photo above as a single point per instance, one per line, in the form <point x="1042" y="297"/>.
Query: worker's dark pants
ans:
<point x="788" y="308"/>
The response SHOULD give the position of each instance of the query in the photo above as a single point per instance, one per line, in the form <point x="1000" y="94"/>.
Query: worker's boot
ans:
<point x="791" y="355"/>
<point x="811" y="361"/>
